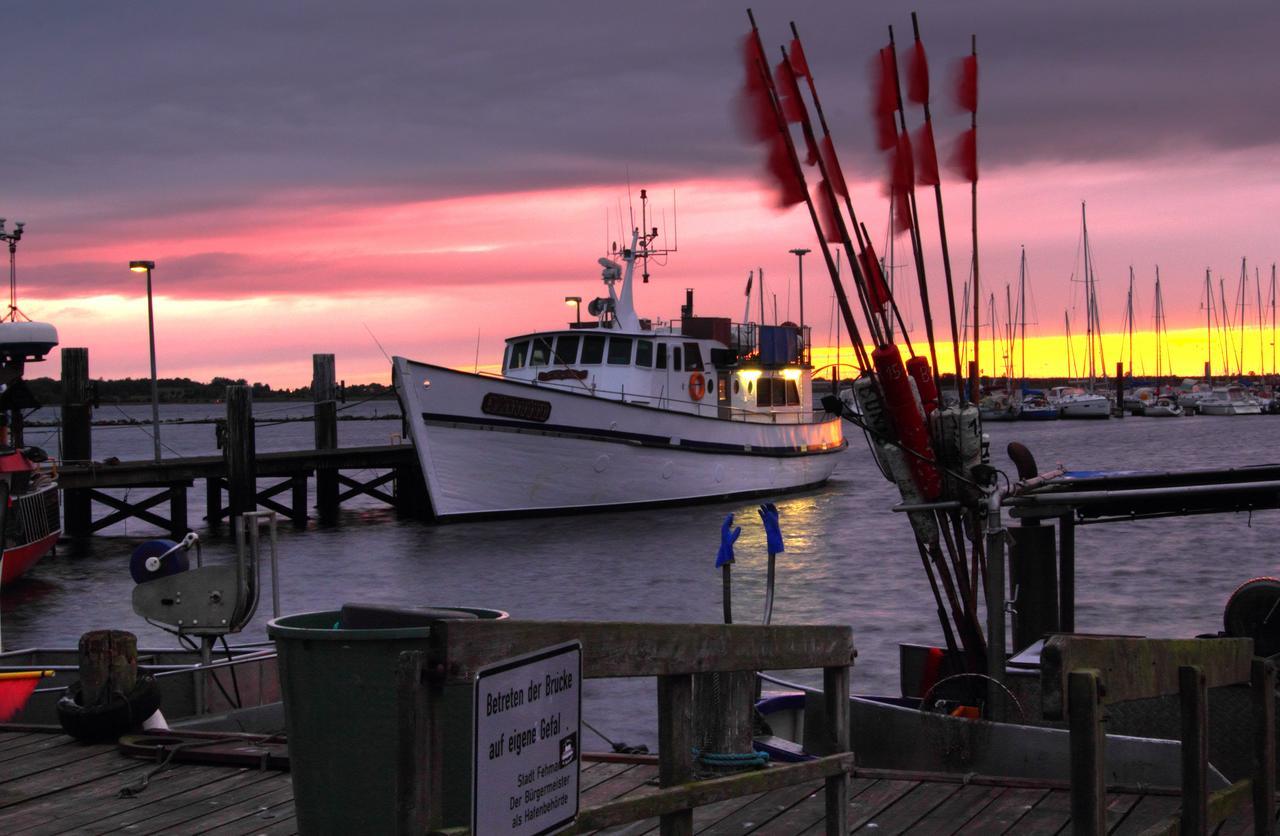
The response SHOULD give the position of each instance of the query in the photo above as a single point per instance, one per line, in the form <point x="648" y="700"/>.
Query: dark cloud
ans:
<point x="144" y="110"/>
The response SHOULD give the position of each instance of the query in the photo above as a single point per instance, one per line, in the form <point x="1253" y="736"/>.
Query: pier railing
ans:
<point x="674" y="653"/>
<point x="1080" y="675"/>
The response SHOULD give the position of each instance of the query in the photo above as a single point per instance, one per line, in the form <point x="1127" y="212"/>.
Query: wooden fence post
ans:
<point x="1088" y="791"/>
<point x="835" y="689"/>
<point x="724" y="715"/>
<point x="77" y="437"/>
<point x="240" y="452"/>
<point x="324" y="394"/>
<point x="1193" y="694"/>
<point x="108" y="664"/>
<point x="1264" y="742"/>
<point x="675" y="745"/>
<point x="1067" y="573"/>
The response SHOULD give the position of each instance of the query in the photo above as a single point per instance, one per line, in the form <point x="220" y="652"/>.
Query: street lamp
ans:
<point x="576" y="301"/>
<point x="800" y="253"/>
<point x="147" y="267"/>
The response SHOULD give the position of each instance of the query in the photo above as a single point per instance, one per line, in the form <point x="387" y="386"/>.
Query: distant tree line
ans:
<point x="185" y="390"/>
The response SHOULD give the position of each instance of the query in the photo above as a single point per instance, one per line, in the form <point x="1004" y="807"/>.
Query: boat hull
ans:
<point x="1091" y="408"/>
<point x="489" y="446"/>
<point x="35" y="528"/>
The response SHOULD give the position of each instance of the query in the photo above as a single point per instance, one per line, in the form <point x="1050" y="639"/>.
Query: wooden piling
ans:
<point x="1119" y="390"/>
<point x="723" y="715"/>
<point x="240" y="453"/>
<point x="324" y="393"/>
<point x="108" y="664"/>
<point x="77" y="439"/>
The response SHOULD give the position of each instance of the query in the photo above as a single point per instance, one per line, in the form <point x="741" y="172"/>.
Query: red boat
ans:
<point x="32" y="522"/>
<point x="29" y="501"/>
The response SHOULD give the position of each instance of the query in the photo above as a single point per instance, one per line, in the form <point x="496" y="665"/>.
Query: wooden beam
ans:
<point x="696" y="794"/>
<point x="1136" y="668"/>
<point x="367" y="488"/>
<point x="622" y="648"/>
<point x="125" y="510"/>
<point x="77" y="437"/>
<point x="324" y="393"/>
<point x="835" y="691"/>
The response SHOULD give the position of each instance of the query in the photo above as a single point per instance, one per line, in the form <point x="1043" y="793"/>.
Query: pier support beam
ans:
<point x="1067" y="572"/>
<point x="240" y="452"/>
<point x="324" y="393"/>
<point x="77" y="440"/>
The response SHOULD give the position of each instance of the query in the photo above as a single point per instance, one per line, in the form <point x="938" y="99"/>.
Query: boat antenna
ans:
<point x="375" y="341"/>
<point x="12" y="239"/>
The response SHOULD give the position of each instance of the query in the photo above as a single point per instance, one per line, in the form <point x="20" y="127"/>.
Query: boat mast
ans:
<point x="1257" y="293"/>
<point x="1208" y="325"/>
<point x="1071" y="363"/>
<point x="1022" y="314"/>
<point x="1128" y="320"/>
<point x="1008" y="332"/>
<point x="1088" y="295"/>
<point x="1273" y="318"/>
<point x="1159" y="317"/>
<point x="995" y="366"/>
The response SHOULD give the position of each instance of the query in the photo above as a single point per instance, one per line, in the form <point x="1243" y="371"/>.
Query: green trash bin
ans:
<point x="338" y="679"/>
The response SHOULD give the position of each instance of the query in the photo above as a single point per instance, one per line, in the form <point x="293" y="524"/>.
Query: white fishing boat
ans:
<point x="1075" y="402"/>
<point x="1230" y="400"/>
<point x="621" y="411"/>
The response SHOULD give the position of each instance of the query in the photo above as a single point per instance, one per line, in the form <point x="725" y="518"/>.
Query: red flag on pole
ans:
<point x="877" y="290"/>
<point x="884" y="99"/>
<point x="966" y="91"/>
<point x="789" y="92"/>
<point x="904" y="171"/>
<point x="832" y="164"/>
<point x="901" y="212"/>
<point x="918" y="75"/>
<point x="926" y="157"/>
<point x="827" y="215"/>
<point x="964" y="158"/>
<point x="790" y="185"/>
<point x="799" y="64"/>
<point x="753" y="62"/>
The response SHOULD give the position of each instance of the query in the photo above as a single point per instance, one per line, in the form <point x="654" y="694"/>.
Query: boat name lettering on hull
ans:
<point x="563" y="374"/>
<point x="509" y="406"/>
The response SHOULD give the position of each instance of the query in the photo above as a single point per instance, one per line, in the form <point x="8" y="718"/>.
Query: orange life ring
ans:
<point x="697" y="386"/>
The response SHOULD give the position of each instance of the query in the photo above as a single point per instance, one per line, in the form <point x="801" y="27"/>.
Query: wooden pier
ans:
<point x="231" y="479"/>
<point x="50" y="784"/>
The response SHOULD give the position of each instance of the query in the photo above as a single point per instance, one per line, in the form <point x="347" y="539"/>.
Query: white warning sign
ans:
<point x="526" y="743"/>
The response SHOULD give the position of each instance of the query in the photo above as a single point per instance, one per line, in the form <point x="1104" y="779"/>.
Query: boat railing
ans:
<point x="711" y="409"/>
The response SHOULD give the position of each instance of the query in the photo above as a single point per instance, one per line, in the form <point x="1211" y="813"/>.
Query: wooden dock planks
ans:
<point x="52" y="785"/>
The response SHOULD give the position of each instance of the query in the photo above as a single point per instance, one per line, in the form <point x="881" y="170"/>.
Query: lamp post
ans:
<point x="800" y="253"/>
<point x="147" y="267"/>
<point x="576" y="301"/>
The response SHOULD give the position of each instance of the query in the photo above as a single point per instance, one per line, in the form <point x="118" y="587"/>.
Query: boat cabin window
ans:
<point x="592" y="350"/>
<point x="567" y="349"/>
<point x="692" y="357"/>
<point x="619" y="351"/>
<point x="737" y="386"/>
<point x="541" y="354"/>
<point x="771" y="391"/>
<point x="676" y="363"/>
<point x="644" y="353"/>
<point x="662" y="356"/>
<point x="518" y="352"/>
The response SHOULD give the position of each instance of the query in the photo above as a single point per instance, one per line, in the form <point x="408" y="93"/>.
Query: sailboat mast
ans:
<point x="1071" y="363"/>
<point x="1208" y="324"/>
<point x="1088" y="295"/>
<point x="1158" y="307"/>
<point x="1128" y="320"/>
<point x="1257" y="292"/>
<point x="1008" y="331"/>
<point x="995" y="366"/>
<point x="1273" y="318"/>
<point x="1022" y="313"/>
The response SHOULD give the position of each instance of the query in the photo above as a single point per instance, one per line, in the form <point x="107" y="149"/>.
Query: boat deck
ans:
<point x="51" y="784"/>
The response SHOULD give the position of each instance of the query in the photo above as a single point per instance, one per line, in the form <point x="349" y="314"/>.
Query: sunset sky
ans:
<point x="433" y="177"/>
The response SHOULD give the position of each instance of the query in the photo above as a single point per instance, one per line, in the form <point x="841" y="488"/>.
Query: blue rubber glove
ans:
<point x="772" y="533"/>
<point x="728" y="534"/>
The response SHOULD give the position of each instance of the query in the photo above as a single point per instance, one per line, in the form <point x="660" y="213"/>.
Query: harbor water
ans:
<point x="848" y="559"/>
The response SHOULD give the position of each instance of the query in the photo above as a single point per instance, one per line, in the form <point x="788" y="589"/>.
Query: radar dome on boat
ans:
<point x="27" y="340"/>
